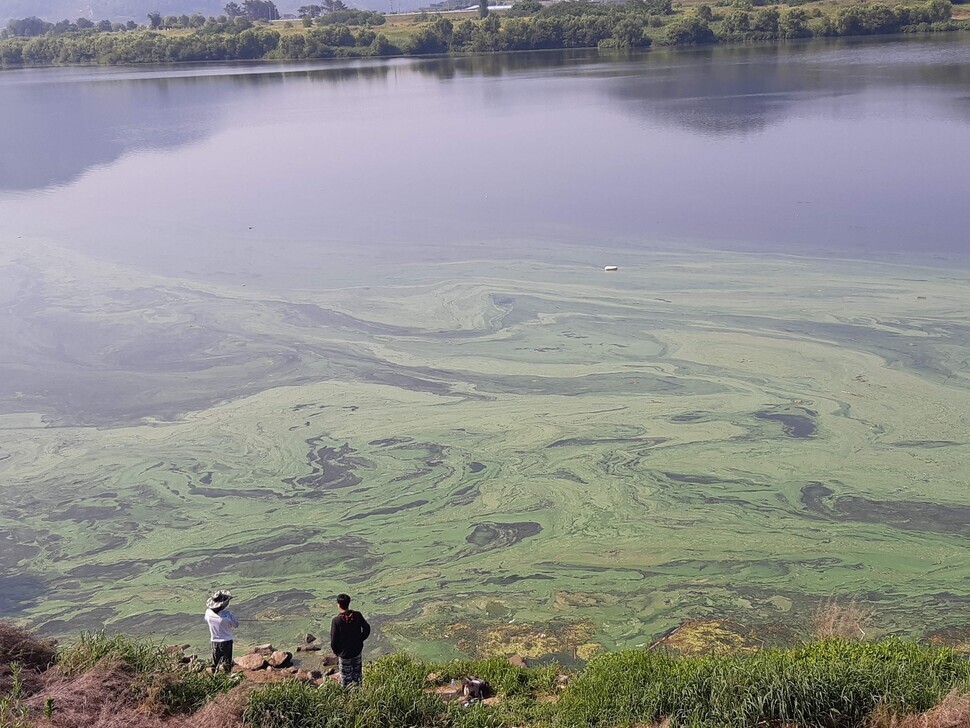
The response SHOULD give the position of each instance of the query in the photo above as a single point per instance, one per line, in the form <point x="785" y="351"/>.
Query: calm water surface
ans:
<point x="293" y="173"/>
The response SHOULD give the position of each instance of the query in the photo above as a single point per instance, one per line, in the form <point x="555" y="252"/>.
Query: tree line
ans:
<point x="233" y="22"/>
<point x="326" y="6"/>
<point x="253" y="10"/>
<point x="528" y="26"/>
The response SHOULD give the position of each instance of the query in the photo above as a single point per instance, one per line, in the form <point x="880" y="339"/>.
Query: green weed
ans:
<point x="13" y="713"/>
<point x="182" y="691"/>
<point x="392" y="696"/>
<point x="505" y="679"/>
<point x="829" y="683"/>
<point x="137" y="654"/>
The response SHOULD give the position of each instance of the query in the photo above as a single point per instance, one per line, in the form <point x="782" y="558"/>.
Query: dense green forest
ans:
<point x="528" y="26"/>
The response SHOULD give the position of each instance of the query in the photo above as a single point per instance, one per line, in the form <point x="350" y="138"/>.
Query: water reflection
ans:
<point x="283" y="171"/>
<point x="745" y="90"/>
<point x="64" y="122"/>
<point x="61" y="123"/>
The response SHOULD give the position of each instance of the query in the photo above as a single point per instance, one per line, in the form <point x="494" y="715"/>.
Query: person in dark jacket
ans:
<point x="348" y="630"/>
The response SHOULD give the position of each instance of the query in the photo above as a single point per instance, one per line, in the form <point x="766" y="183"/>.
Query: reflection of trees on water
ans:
<point x="738" y="89"/>
<point x="504" y="64"/>
<point x="744" y="90"/>
<point x="72" y="120"/>
<point x="54" y="131"/>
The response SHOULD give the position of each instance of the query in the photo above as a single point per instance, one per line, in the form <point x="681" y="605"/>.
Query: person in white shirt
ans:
<point x="221" y="624"/>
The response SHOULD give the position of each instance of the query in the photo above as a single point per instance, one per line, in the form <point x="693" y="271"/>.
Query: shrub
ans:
<point x="523" y="8"/>
<point x="847" y="621"/>
<point x="688" y="30"/>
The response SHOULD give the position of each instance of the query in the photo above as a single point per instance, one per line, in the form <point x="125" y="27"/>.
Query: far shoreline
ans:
<point x="622" y="30"/>
<point x="960" y="35"/>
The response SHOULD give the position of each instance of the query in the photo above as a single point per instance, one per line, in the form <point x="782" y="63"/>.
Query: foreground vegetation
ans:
<point x="529" y="25"/>
<point x="832" y="683"/>
<point x="106" y="680"/>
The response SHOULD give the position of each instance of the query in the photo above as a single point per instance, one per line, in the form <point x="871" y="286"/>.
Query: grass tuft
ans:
<point x="137" y="654"/>
<point x="832" y="683"/>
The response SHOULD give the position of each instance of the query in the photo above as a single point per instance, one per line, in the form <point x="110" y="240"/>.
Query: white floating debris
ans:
<point x="611" y="267"/>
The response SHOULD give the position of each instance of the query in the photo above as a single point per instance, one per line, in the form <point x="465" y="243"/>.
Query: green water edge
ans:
<point x="494" y="457"/>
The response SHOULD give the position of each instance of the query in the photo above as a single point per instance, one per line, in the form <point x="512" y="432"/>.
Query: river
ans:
<point x="298" y="329"/>
<point x="284" y="170"/>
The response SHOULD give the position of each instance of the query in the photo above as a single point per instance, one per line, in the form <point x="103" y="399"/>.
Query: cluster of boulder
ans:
<point x="268" y="658"/>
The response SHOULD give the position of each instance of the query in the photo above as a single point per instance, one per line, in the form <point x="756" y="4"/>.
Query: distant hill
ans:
<point x="137" y="10"/>
<point x="121" y="10"/>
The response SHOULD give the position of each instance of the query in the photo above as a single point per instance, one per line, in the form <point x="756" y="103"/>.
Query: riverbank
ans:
<point x="528" y="25"/>
<point x="102" y="681"/>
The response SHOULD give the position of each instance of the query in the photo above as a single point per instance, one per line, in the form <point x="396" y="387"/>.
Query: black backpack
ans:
<point x="474" y="689"/>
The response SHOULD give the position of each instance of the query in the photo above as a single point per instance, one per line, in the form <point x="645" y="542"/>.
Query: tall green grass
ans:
<point x="831" y="684"/>
<point x="504" y="678"/>
<point x="137" y="654"/>
<point x="391" y="696"/>
<point x="394" y="695"/>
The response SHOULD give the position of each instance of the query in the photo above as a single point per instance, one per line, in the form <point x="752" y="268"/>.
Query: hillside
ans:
<point x="137" y="10"/>
<point x="104" y="682"/>
<point x="116" y="10"/>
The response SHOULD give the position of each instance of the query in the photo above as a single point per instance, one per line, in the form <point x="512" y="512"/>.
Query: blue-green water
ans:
<point x="286" y="172"/>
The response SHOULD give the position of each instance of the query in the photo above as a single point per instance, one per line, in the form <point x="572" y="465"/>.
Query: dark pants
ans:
<point x="351" y="670"/>
<point x="222" y="656"/>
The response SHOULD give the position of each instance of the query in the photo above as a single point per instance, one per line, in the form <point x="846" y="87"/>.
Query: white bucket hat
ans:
<point x="219" y="599"/>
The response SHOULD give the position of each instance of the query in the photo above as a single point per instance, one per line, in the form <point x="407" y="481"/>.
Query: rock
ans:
<point x="330" y="660"/>
<point x="518" y="661"/>
<point x="175" y="649"/>
<point x="264" y="650"/>
<point x="314" y="674"/>
<point x="331" y="671"/>
<point x="185" y="660"/>
<point x="308" y="648"/>
<point x="291" y="670"/>
<point x="279" y="658"/>
<point x="252" y="661"/>
<point x="309" y="639"/>
<point x="448" y="692"/>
